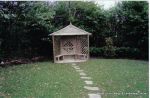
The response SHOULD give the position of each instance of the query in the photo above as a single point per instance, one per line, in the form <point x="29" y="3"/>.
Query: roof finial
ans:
<point x="70" y="16"/>
<point x="70" y="23"/>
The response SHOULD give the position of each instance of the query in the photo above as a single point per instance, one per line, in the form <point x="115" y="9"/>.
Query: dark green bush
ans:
<point x="97" y="52"/>
<point x="1" y="54"/>
<point x="109" y="52"/>
<point x="109" y="49"/>
<point x="120" y="52"/>
<point x="127" y="52"/>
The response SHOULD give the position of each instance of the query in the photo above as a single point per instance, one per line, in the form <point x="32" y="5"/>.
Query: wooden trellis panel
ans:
<point x="84" y="45"/>
<point x="82" y="42"/>
<point x="68" y="45"/>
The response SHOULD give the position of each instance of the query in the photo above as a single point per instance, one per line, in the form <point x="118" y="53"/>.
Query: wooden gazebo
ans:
<point x="70" y="44"/>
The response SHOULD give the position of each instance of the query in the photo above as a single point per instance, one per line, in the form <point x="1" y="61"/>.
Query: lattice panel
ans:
<point x="68" y="45"/>
<point x="84" y="45"/>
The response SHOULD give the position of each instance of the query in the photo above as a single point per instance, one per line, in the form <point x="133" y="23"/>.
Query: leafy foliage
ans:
<point x="130" y="20"/>
<point x="24" y="26"/>
<point x="109" y="48"/>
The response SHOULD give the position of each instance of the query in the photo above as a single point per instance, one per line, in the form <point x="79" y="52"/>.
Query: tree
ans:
<point x="24" y="26"/>
<point x="134" y="27"/>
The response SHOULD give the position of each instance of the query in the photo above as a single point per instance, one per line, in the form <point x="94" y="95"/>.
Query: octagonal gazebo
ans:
<point x="70" y="44"/>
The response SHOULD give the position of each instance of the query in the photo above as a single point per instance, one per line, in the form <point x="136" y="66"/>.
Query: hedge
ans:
<point x="120" y="52"/>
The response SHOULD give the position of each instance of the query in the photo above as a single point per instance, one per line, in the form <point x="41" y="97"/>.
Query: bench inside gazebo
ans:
<point x="70" y="44"/>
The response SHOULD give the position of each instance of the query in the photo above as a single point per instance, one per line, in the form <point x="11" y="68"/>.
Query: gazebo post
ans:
<point x="54" y="49"/>
<point x="88" y="47"/>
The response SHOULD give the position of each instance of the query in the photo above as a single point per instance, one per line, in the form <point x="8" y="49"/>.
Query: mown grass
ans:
<point x="41" y="80"/>
<point x="49" y="80"/>
<point x="119" y="76"/>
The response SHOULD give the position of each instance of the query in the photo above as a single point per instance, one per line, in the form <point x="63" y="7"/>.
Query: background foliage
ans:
<point x="24" y="27"/>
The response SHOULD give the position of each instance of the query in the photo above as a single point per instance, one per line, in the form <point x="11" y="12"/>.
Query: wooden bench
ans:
<point x="76" y="56"/>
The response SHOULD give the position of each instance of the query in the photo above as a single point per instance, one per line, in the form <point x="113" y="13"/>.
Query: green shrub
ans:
<point x="1" y="54"/>
<point x="120" y="52"/>
<point x="127" y="52"/>
<point x="97" y="52"/>
<point x="109" y="49"/>
<point x="109" y="52"/>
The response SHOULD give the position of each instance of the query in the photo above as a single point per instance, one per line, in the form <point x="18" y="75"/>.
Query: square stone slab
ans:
<point x="91" y="88"/>
<point x="74" y="64"/>
<point x="89" y="82"/>
<point x="82" y="74"/>
<point x="79" y="70"/>
<point x="85" y="77"/>
<point x="94" y="96"/>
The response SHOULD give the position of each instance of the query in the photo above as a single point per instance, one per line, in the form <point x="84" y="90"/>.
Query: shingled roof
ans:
<point x="70" y="30"/>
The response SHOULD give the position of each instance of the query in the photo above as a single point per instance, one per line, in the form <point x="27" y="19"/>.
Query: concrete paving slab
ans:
<point x="89" y="82"/>
<point x="91" y="88"/>
<point x="79" y="70"/>
<point x="86" y="78"/>
<point x="94" y="96"/>
<point x="82" y="74"/>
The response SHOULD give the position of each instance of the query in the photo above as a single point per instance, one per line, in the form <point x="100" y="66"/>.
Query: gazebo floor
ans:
<point x="70" y="61"/>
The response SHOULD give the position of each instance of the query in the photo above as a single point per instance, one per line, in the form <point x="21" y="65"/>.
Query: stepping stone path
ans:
<point x="88" y="82"/>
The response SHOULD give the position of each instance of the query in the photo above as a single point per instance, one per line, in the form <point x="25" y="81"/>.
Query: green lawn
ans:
<point x="119" y="75"/>
<point x="41" y="80"/>
<point x="49" y="80"/>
